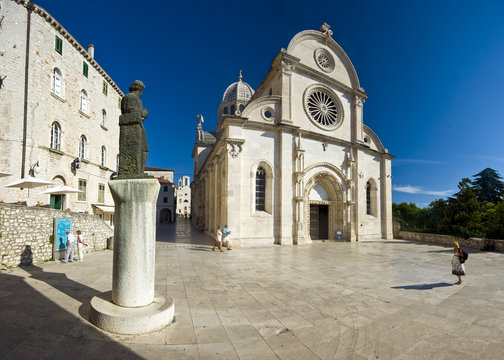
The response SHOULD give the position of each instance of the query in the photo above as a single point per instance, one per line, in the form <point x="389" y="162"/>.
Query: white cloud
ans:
<point x="418" y="190"/>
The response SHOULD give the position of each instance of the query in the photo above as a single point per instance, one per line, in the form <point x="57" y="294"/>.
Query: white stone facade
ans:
<point x="54" y="96"/>
<point x="296" y="163"/>
<point x="184" y="196"/>
<point x="165" y="205"/>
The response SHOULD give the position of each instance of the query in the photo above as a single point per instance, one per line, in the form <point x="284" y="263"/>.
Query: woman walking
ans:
<point x="218" y="239"/>
<point x="80" y="245"/>
<point x="457" y="266"/>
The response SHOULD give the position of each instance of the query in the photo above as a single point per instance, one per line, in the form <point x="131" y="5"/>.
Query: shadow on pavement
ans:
<point x="32" y="326"/>
<point x="422" y="286"/>
<point x="181" y="232"/>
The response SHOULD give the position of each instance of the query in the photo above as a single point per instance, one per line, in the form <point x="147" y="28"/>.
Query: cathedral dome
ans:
<point x="238" y="91"/>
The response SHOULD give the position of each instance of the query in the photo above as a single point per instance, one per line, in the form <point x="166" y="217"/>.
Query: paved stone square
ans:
<point x="332" y="300"/>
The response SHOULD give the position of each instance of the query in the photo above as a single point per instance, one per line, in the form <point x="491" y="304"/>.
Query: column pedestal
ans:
<point x="132" y="307"/>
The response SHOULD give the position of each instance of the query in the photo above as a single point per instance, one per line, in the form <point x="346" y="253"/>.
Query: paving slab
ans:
<point x="329" y="300"/>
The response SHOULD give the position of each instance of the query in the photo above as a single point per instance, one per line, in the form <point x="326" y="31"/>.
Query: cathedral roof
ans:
<point x="238" y="91"/>
<point x="208" y="138"/>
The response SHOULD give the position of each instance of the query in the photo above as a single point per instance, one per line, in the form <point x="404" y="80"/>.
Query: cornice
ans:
<point x="63" y="32"/>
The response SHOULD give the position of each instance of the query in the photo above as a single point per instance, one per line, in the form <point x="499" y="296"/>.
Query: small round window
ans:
<point x="268" y="113"/>
<point x="323" y="108"/>
<point x="324" y="60"/>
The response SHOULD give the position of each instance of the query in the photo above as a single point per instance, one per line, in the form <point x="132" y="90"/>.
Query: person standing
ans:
<point x="225" y="234"/>
<point x="218" y="239"/>
<point x="70" y="246"/>
<point x="457" y="266"/>
<point x="80" y="245"/>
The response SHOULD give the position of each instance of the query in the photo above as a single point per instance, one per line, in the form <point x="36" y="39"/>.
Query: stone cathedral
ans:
<point x="292" y="162"/>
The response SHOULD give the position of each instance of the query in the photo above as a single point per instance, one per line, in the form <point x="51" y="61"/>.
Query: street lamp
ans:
<point x="34" y="169"/>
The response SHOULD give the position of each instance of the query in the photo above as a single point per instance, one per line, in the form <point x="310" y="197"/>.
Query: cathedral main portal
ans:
<point x="324" y="211"/>
<point x="319" y="222"/>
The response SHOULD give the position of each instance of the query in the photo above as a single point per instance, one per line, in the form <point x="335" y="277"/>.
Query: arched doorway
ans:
<point x="324" y="216"/>
<point x="57" y="201"/>
<point x="165" y="216"/>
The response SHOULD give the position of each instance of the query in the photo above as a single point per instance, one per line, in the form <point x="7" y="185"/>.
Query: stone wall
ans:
<point x="26" y="233"/>
<point x="475" y="243"/>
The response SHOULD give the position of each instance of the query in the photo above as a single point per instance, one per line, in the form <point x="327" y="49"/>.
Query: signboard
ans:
<point x="60" y="239"/>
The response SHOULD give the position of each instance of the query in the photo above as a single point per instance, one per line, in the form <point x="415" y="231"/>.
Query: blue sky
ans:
<point x="433" y="71"/>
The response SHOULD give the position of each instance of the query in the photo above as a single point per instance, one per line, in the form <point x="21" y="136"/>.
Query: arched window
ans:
<point x="260" y="188"/>
<point x="368" y="198"/>
<point x="57" y="82"/>
<point x="82" y="147"/>
<point x="241" y="107"/>
<point x="225" y="111"/>
<point x="233" y="109"/>
<point x="55" y="136"/>
<point x="103" y="156"/>
<point x="371" y="199"/>
<point x="84" y="101"/>
<point x="103" y="117"/>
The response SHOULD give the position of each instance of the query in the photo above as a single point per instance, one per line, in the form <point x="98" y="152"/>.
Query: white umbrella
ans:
<point x="28" y="182"/>
<point x="61" y="189"/>
<point x="3" y="174"/>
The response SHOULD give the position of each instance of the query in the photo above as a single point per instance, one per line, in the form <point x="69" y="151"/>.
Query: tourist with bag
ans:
<point x="458" y="262"/>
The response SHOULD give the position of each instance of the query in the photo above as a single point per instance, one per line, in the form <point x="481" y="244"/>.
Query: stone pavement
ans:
<point x="366" y="300"/>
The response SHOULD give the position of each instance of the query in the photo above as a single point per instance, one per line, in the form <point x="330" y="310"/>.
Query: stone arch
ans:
<point x="334" y="203"/>
<point x="59" y="180"/>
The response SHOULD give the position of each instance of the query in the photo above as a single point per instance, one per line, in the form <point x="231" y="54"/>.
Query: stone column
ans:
<point x="132" y="307"/>
<point x="386" y="197"/>
<point x="286" y="189"/>
<point x="135" y="241"/>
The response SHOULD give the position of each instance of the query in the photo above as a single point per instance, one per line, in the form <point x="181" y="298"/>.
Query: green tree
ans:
<point x="435" y="217"/>
<point x="463" y="213"/>
<point x="488" y="186"/>
<point x="494" y="224"/>
<point x="408" y="215"/>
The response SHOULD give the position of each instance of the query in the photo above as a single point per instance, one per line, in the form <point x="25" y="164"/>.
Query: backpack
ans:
<point x="464" y="257"/>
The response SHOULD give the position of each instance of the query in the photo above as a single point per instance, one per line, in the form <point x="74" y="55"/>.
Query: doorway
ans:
<point x="56" y="202"/>
<point x="319" y="222"/>
<point x="165" y="216"/>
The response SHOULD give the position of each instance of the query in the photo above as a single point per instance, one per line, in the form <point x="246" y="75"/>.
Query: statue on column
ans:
<point x="133" y="146"/>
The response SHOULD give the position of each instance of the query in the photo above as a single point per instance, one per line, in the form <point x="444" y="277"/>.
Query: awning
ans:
<point x="105" y="208"/>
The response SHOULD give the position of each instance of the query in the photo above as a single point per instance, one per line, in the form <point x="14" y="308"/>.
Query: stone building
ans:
<point x="165" y="206"/>
<point x="184" y="196"/>
<point x="59" y="110"/>
<point x="293" y="162"/>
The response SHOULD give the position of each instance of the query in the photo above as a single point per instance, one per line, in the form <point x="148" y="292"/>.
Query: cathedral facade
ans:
<point x="292" y="162"/>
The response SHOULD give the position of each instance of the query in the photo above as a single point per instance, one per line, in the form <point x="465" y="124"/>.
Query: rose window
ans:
<point x="322" y="108"/>
<point x="324" y="60"/>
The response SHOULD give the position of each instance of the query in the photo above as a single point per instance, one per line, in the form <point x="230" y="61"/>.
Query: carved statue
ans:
<point x="133" y="146"/>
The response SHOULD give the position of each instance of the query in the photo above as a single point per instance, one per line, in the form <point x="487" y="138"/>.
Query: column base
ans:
<point x="131" y="320"/>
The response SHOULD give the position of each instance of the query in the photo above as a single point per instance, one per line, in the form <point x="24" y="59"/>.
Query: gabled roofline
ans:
<point x="63" y="32"/>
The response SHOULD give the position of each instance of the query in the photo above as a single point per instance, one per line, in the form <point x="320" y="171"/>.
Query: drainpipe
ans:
<point x="29" y="8"/>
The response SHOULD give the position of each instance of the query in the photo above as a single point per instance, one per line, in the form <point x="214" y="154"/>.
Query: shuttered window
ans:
<point x="58" y="46"/>
<point x="82" y="188"/>
<point x="57" y="79"/>
<point x="85" y="68"/>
